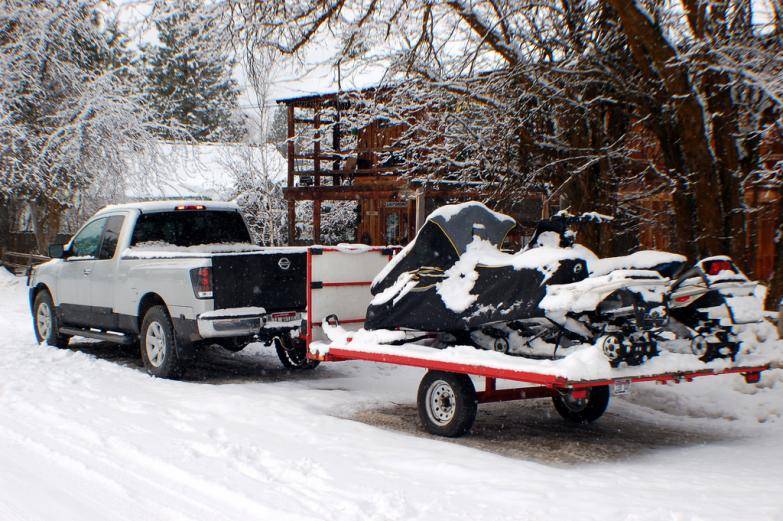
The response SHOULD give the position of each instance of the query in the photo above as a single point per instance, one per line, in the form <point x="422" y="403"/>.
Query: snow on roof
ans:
<point x="201" y="171"/>
<point x="168" y="204"/>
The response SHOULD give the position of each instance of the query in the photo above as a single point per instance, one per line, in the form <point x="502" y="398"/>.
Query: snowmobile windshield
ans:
<point x="444" y="238"/>
<point x="191" y="228"/>
<point x="462" y="222"/>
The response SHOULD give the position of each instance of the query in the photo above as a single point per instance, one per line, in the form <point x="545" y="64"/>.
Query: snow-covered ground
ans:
<point x="85" y="434"/>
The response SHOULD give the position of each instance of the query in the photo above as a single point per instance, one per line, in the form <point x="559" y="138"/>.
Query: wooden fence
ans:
<point x="20" y="263"/>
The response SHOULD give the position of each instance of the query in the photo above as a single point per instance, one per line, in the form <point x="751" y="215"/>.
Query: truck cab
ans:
<point x="173" y="276"/>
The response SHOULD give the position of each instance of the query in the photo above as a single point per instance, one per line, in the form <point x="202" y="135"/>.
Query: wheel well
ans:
<point x="36" y="290"/>
<point x="147" y="301"/>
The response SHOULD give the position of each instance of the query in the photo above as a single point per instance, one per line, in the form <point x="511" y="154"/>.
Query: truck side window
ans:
<point x="87" y="242"/>
<point x="110" y="235"/>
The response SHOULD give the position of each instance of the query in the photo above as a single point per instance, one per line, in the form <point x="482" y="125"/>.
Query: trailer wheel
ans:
<point x="447" y="403"/>
<point x="585" y="410"/>
<point x="292" y="353"/>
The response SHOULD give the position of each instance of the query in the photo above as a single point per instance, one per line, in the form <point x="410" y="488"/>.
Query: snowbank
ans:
<point x="7" y="278"/>
<point x="86" y="435"/>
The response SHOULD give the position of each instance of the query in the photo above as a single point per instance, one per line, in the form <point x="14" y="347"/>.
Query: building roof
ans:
<point x="201" y="171"/>
<point x="330" y="94"/>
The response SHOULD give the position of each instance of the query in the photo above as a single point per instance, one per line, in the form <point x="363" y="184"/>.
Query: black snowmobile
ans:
<point x="454" y="280"/>
<point x="708" y="301"/>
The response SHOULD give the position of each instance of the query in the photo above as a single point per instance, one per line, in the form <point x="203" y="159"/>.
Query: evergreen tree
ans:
<point x="189" y="74"/>
<point x="278" y="130"/>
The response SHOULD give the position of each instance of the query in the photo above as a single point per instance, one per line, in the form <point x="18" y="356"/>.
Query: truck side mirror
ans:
<point x="56" y="251"/>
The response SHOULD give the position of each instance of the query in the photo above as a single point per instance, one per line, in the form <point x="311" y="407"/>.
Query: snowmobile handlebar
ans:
<point x="587" y="217"/>
<point x="560" y="223"/>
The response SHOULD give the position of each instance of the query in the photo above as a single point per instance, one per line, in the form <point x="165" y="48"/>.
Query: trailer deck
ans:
<point x="750" y="371"/>
<point x="338" y="282"/>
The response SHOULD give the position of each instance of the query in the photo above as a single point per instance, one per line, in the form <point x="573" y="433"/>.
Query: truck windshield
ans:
<point x="191" y="228"/>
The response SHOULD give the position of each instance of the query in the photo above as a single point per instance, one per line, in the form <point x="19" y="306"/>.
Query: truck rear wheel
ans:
<point x="45" y="324"/>
<point x="447" y="403"/>
<point x="293" y="353"/>
<point x="583" y="410"/>
<point x="158" y="344"/>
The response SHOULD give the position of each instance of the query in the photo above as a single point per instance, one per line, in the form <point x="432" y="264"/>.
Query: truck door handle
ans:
<point x="87" y="271"/>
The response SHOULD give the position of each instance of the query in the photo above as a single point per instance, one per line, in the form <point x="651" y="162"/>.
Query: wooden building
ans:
<point x="326" y="162"/>
<point x="764" y="201"/>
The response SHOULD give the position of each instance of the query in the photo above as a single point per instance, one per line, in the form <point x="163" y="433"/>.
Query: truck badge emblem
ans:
<point x="284" y="263"/>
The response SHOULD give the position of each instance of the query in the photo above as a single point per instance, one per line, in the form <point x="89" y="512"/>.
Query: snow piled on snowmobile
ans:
<point x="453" y="276"/>
<point x="555" y="298"/>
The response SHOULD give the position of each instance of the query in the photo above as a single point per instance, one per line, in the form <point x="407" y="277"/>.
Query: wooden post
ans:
<point x="290" y="144"/>
<point x="544" y="206"/>
<point x="411" y="231"/>
<point x="291" y="222"/>
<point x="317" y="222"/>
<point x="291" y="153"/>
<point x="317" y="147"/>
<point x="421" y="210"/>
<point x="317" y="180"/>
<point x="336" y="144"/>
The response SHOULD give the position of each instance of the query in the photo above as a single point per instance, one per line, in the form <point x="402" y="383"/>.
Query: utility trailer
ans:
<point x="338" y="282"/>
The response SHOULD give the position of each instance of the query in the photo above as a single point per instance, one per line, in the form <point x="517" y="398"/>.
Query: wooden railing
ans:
<point x="20" y="263"/>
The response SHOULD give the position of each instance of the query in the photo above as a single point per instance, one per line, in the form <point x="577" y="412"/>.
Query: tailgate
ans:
<point x="274" y="281"/>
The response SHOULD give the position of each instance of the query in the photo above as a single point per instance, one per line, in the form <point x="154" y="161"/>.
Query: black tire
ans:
<point x="583" y="411"/>
<point x="447" y="403"/>
<point x="43" y="305"/>
<point x="292" y="353"/>
<point x="161" y="359"/>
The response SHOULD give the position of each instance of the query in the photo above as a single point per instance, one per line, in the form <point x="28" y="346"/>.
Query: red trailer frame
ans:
<point x="546" y="384"/>
<point x="540" y="385"/>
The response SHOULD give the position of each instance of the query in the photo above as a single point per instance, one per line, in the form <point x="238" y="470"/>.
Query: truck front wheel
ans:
<point x="293" y="353"/>
<point x="158" y="344"/>
<point x="45" y="324"/>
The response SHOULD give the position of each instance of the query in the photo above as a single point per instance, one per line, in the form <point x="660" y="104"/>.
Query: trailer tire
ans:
<point x="583" y="411"/>
<point x="159" y="346"/>
<point x="292" y="353"/>
<point x="447" y="403"/>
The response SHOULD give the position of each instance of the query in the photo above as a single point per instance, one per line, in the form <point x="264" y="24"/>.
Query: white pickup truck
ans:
<point x="172" y="276"/>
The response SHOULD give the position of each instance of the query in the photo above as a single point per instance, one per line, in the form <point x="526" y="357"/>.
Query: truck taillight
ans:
<point x="715" y="267"/>
<point x="190" y="207"/>
<point x="201" y="278"/>
<point x="286" y="316"/>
